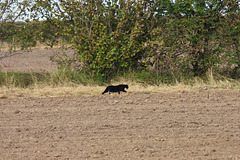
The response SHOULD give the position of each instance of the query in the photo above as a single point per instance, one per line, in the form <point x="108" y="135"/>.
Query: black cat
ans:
<point x="117" y="88"/>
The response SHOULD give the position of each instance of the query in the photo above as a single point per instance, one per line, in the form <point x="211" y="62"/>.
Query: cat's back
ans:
<point x="122" y="86"/>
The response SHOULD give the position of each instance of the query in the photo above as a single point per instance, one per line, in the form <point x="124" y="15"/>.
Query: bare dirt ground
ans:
<point x="37" y="60"/>
<point x="177" y="125"/>
<point x="202" y="124"/>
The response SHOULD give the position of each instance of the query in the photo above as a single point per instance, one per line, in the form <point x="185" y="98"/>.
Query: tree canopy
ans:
<point x="113" y="36"/>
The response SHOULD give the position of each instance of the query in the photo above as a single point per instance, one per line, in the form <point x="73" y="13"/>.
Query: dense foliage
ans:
<point x="112" y="36"/>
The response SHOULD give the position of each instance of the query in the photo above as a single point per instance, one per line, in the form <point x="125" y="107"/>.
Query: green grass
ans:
<point x="69" y="82"/>
<point x="61" y="77"/>
<point x="70" y="77"/>
<point x="21" y="79"/>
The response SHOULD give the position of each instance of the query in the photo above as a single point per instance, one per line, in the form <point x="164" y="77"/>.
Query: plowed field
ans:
<point x="174" y="125"/>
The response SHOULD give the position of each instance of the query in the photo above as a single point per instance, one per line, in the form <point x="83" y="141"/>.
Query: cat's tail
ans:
<point x="105" y="91"/>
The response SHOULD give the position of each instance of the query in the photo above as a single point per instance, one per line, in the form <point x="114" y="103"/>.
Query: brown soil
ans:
<point x="37" y="60"/>
<point x="177" y="125"/>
